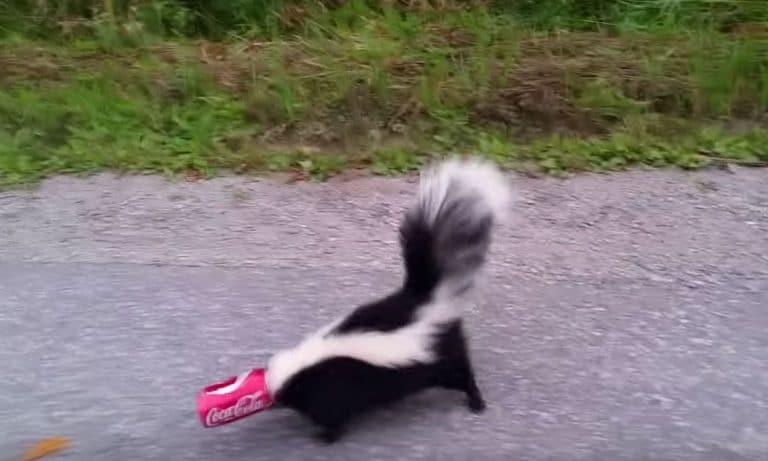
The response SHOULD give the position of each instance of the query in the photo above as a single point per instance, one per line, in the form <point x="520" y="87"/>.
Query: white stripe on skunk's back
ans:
<point x="402" y="347"/>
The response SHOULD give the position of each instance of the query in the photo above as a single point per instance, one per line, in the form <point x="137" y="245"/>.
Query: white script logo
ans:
<point x="245" y="405"/>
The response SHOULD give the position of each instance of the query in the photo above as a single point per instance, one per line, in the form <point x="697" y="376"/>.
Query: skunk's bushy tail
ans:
<point x="446" y="235"/>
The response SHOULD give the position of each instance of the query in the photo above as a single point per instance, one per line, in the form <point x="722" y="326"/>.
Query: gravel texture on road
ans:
<point x="623" y="317"/>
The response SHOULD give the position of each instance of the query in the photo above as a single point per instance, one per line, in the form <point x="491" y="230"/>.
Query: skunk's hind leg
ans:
<point x="475" y="400"/>
<point x="462" y="379"/>
<point x="456" y="370"/>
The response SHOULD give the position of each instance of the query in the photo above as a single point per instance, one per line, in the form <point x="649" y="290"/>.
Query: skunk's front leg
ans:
<point x="331" y="421"/>
<point x="330" y="434"/>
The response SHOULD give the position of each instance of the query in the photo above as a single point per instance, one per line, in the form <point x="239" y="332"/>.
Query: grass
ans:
<point x="318" y="91"/>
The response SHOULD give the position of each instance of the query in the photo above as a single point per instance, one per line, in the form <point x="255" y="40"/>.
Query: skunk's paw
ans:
<point x="329" y="435"/>
<point x="476" y="404"/>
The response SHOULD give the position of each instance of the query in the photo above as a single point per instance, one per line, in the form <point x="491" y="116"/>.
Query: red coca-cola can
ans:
<point x="234" y="398"/>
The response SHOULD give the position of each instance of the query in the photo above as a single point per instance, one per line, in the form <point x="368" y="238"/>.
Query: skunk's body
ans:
<point x="412" y="339"/>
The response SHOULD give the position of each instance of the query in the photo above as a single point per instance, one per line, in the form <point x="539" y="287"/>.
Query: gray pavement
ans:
<point x="624" y="317"/>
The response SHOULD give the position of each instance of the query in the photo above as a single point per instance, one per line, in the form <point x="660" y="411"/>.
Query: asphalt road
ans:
<point x="624" y="317"/>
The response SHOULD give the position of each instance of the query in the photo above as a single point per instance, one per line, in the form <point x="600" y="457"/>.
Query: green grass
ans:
<point x="273" y="86"/>
<point x="92" y="122"/>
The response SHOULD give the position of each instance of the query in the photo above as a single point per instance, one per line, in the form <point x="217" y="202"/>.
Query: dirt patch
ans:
<point x="546" y="87"/>
<point x="33" y="64"/>
<point x="540" y="91"/>
<point x="29" y="65"/>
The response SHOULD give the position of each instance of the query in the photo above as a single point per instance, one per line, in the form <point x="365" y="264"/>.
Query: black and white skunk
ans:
<point x="412" y="339"/>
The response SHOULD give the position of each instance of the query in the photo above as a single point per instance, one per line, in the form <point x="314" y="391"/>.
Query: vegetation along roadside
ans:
<point x="320" y="87"/>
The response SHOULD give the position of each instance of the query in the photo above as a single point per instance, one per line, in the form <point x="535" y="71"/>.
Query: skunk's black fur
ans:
<point x="412" y="339"/>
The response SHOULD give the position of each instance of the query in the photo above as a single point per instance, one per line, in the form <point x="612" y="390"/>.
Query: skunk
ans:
<point x="412" y="339"/>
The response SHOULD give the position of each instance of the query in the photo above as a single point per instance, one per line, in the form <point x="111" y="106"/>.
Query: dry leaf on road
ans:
<point x="45" y="447"/>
